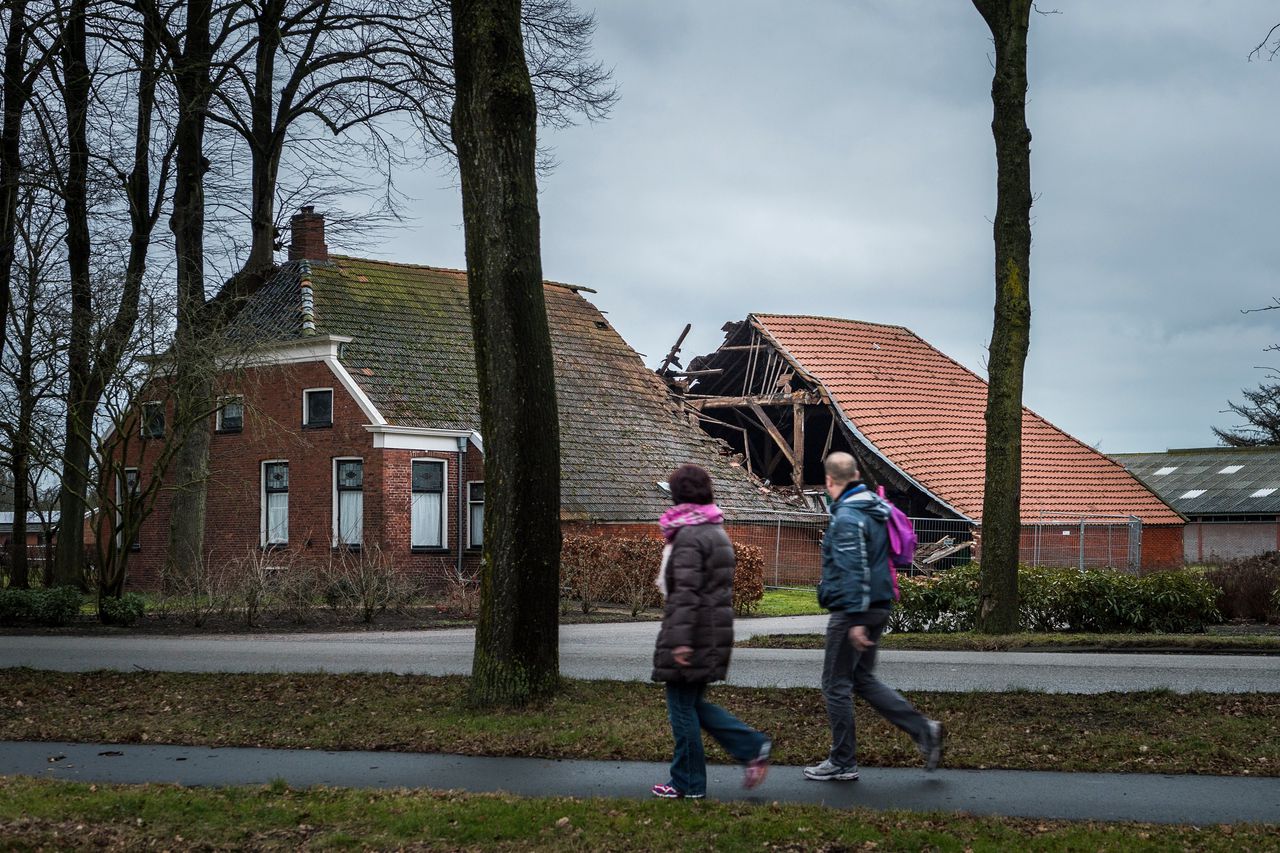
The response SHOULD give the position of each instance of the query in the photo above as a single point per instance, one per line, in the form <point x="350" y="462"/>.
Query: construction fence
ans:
<point x="791" y="543"/>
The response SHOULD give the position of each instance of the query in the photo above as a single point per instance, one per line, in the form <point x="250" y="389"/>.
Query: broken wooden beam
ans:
<point x="773" y="431"/>
<point x="802" y="398"/>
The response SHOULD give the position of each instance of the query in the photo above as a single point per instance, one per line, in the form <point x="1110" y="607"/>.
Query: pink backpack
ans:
<point x="902" y="542"/>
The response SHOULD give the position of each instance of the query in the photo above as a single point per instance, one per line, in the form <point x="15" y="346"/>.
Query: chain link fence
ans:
<point x="791" y="543"/>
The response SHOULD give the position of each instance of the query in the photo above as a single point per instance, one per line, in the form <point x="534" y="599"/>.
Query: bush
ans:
<point x="56" y="606"/>
<point x="123" y="611"/>
<point x="1249" y="588"/>
<point x="622" y="570"/>
<point x="1097" y="600"/>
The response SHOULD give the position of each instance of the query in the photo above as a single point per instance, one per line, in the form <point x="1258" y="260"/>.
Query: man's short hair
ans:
<point x="841" y="467"/>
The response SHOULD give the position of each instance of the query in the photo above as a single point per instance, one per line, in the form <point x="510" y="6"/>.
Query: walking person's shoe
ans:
<point x="828" y="772"/>
<point x="931" y="744"/>
<point x="758" y="767"/>
<point x="670" y="792"/>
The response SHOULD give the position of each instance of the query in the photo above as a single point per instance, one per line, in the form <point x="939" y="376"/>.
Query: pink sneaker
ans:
<point x="758" y="767"/>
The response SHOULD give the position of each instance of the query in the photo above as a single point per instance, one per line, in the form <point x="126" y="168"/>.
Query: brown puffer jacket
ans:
<point x="699" y="609"/>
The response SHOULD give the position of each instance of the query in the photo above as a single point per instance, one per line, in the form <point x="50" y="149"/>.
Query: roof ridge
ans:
<point x="759" y="314"/>
<point x="450" y="270"/>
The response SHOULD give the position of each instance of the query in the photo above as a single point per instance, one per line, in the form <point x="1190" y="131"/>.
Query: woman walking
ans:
<point x="696" y="637"/>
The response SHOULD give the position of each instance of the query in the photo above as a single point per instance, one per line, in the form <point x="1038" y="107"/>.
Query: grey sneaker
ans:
<point x="931" y="744"/>
<point x="828" y="772"/>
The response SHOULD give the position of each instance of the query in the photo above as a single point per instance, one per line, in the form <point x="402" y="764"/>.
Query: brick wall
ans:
<point x="273" y="431"/>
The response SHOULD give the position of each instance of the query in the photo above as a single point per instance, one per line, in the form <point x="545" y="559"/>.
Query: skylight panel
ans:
<point x="1231" y="469"/>
<point x="1193" y="493"/>
<point x="1261" y="493"/>
<point x="1163" y="471"/>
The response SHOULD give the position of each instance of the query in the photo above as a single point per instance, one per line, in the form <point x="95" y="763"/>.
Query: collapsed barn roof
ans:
<point x="795" y="387"/>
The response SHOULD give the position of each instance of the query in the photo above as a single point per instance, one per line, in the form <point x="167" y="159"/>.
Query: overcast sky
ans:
<point x="836" y="158"/>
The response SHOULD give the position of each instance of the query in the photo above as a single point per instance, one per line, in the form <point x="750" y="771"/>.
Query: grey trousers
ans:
<point x="846" y="671"/>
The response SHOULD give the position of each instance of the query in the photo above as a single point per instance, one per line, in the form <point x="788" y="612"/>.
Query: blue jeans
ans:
<point x="690" y="713"/>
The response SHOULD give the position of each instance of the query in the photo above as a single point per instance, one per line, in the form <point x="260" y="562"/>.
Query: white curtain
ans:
<point x="350" y="517"/>
<point x="477" y="525"/>
<point x="277" y="517"/>
<point x="426" y="512"/>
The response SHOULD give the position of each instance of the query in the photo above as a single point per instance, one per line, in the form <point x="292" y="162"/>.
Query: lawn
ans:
<point x="1154" y="732"/>
<point x="1239" y="644"/>
<point x="38" y="814"/>
<point x="789" y="602"/>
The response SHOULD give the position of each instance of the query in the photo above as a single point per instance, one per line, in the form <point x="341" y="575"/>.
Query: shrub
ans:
<point x="1098" y="600"/>
<point x="622" y="570"/>
<point x="56" y="606"/>
<point x="123" y="611"/>
<point x="748" y="578"/>
<point x="1249" y="588"/>
<point x="364" y="581"/>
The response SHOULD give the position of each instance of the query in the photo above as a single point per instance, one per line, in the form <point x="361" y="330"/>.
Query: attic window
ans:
<point x="317" y="407"/>
<point x="601" y="324"/>
<point x="1262" y="493"/>
<point x="1193" y="493"/>
<point x="1163" y="471"/>
<point x="1231" y="469"/>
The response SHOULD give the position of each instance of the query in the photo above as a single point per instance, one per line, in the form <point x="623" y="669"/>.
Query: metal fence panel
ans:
<point x="1083" y="542"/>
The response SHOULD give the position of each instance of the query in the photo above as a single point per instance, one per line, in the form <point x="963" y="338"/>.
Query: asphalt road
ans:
<point x="623" y="652"/>
<point x="1071" y="796"/>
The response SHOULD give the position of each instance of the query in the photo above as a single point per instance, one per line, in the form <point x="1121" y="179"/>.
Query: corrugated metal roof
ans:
<point x="1212" y="480"/>
<point x="925" y="412"/>
<point x="620" y="433"/>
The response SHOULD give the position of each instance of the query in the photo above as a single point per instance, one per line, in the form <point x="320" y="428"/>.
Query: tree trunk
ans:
<point x="1010" y="336"/>
<point x="192" y="382"/>
<point x="23" y="386"/>
<point x="15" y="98"/>
<point x="494" y="129"/>
<point x="69" y="565"/>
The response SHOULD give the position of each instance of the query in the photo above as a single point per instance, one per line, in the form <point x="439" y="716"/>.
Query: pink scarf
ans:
<point x="682" y="515"/>
<point x="688" y="515"/>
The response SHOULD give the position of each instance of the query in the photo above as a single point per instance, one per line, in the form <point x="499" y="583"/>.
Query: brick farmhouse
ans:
<point x="350" y="421"/>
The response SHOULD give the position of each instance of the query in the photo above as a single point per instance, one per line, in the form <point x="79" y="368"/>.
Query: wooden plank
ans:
<point x="797" y="445"/>
<point x="773" y="431"/>
<point x="804" y="398"/>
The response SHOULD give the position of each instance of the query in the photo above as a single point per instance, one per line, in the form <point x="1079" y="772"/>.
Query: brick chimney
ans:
<point x="306" y="240"/>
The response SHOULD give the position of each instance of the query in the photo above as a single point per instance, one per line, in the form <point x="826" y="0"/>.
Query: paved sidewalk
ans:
<point x="1073" y="796"/>
<point x="624" y="651"/>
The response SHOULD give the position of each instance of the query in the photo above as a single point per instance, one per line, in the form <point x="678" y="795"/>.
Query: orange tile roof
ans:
<point x="924" y="411"/>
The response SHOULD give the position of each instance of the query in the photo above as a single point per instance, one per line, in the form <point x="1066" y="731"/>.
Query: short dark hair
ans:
<point x="691" y="484"/>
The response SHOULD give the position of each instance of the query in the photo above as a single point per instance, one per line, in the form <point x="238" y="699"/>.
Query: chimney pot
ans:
<point x="307" y="237"/>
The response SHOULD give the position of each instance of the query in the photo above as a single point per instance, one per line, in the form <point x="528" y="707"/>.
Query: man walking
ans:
<point x="858" y="590"/>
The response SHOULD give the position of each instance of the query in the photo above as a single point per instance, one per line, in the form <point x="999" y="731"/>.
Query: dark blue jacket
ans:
<point x="855" y="553"/>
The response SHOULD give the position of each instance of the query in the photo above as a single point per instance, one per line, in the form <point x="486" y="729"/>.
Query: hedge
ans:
<point x="1249" y="588"/>
<point x="621" y="570"/>
<point x="1096" y="600"/>
<point x="56" y="606"/>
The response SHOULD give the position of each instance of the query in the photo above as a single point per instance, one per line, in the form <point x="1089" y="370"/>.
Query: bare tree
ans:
<point x="494" y="129"/>
<point x="98" y="339"/>
<point x="366" y="80"/>
<point x="1008" y="21"/>
<point x="1260" y="413"/>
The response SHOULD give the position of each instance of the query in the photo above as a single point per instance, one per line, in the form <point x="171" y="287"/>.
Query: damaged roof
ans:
<point x="924" y="412"/>
<point x="620" y="434"/>
<point x="1211" y="480"/>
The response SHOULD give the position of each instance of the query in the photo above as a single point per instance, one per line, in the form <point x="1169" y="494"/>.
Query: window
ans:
<point x="128" y="506"/>
<point x="475" y="514"/>
<point x="153" y="420"/>
<point x="275" y="503"/>
<point x="349" y="502"/>
<point x="230" y="416"/>
<point x="317" y="407"/>
<point x="427" y="509"/>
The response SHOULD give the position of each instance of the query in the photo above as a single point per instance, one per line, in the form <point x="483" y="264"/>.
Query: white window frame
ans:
<point x="146" y="421"/>
<point x="263" y="529"/>
<point x="444" y="505"/>
<point x="222" y="401"/>
<point x="471" y="541"/>
<point x="332" y="401"/>
<point x="337" y="532"/>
